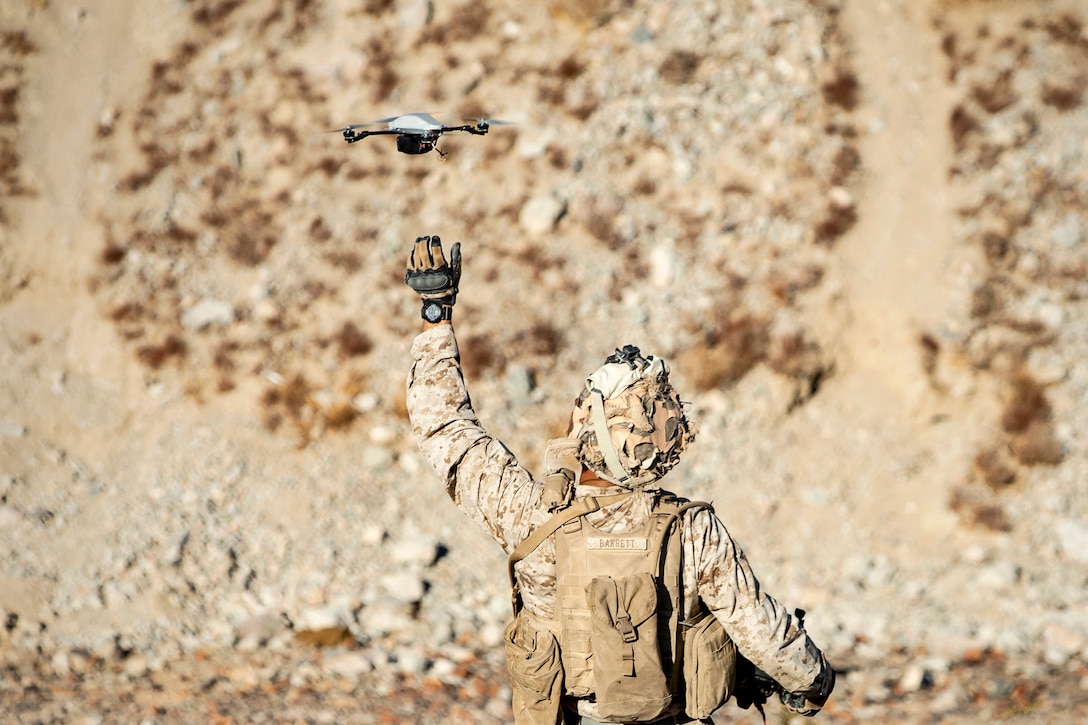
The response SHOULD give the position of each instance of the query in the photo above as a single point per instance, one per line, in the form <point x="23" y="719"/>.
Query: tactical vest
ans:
<point x="619" y="634"/>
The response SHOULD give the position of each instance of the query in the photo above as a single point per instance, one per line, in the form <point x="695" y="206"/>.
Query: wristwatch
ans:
<point x="436" y="311"/>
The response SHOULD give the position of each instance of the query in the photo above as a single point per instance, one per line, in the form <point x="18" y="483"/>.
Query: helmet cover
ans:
<point x="642" y="413"/>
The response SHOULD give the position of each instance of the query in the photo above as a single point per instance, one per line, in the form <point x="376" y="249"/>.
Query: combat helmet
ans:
<point x="630" y="420"/>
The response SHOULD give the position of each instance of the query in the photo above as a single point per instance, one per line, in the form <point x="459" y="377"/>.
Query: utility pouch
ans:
<point x="710" y="667"/>
<point x="629" y="680"/>
<point x="536" y="672"/>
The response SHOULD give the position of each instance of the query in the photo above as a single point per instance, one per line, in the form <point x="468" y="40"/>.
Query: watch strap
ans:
<point x="446" y="311"/>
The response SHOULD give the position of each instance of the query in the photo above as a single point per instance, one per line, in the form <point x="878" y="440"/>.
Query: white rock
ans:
<point x="12" y="430"/>
<point x="384" y="616"/>
<point x="663" y="262"/>
<point x="376" y="458"/>
<point x="518" y="382"/>
<point x="416" y="550"/>
<point x="1073" y="538"/>
<point x="411" y="661"/>
<point x="318" y="618"/>
<point x="1061" y="642"/>
<point x="207" y="312"/>
<point x="347" y="664"/>
<point x="999" y="575"/>
<point x="540" y="214"/>
<point x="403" y="586"/>
<point x="1070" y="231"/>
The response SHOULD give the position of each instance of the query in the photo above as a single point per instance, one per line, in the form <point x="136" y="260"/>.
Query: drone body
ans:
<point x="417" y="133"/>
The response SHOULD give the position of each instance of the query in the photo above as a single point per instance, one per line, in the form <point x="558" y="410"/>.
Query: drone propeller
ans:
<point x="353" y="126"/>
<point x="490" y="121"/>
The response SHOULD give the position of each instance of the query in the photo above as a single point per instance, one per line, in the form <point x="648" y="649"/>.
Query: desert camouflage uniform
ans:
<point x="486" y="481"/>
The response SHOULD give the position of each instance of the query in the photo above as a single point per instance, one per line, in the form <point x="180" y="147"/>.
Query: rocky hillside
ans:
<point x="858" y="233"/>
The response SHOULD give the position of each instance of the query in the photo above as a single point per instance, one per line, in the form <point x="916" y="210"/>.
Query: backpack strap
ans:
<point x="673" y="517"/>
<point x="580" y="507"/>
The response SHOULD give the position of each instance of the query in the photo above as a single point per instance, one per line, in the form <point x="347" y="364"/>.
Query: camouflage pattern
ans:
<point x="486" y="481"/>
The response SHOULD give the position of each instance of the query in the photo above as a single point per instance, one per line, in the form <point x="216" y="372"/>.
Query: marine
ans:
<point x="683" y="613"/>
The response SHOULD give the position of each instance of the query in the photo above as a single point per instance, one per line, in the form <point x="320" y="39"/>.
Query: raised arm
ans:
<point x="481" y="475"/>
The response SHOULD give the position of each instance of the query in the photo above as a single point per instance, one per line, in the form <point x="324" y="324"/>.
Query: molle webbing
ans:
<point x="583" y="553"/>
<point x="580" y="507"/>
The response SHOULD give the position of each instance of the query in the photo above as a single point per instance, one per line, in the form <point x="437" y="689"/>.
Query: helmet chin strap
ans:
<point x="604" y="439"/>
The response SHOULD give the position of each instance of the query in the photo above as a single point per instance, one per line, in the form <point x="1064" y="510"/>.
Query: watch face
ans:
<point x="432" y="312"/>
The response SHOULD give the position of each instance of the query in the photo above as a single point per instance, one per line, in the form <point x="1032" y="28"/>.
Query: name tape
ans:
<point x="619" y="543"/>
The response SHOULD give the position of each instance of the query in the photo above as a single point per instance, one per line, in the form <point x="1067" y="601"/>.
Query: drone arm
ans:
<point x="478" y="129"/>
<point x="351" y="135"/>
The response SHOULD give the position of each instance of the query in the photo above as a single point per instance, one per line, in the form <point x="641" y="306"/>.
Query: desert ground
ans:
<point x="858" y="231"/>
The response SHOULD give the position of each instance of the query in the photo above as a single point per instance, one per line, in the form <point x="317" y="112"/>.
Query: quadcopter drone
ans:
<point x="417" y="133"/>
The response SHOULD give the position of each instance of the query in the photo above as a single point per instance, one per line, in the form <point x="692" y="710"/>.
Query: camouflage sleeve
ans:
<point x="760" y="627"/>
<point x="482" y="476"/>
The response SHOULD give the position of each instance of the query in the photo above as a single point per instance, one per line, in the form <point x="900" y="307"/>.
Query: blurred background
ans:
<point x="857" y="231"/>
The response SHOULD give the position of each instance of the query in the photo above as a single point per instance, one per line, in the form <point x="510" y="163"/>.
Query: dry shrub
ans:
<point x="846" y="162"/>
<point x="480" y="355"/>
<point x="679" y="67"/>
<point x="17" y="43"/>
<point x="726" y="353"/>
<point x="985" y="301"/>
<point x="466" y="22"/>
<point x="155" y="356"/>
<point x="1027" y="404"/>
<point x="797" y="356"/>
<point x="962" y="124"/>
<point x="210" y="12"/>
<point x="931" y="351"/>
<point x="113" y="253"/>
<point x="1061" y="97"/>
<point x="837" y="220"/>
<point x="1037" y="445"/>
<point x="583" y="12"/>
<point x="352" y="342"/>
<point x="542" y="338"/>
<point x="319" y="231"/>
<point x="996" y="96"/>
<point x="842" y="89"/>
<point x="994" y="469"/>
<point x="570" y="67"/>
<point x="978" y="511"/>
<point x="1065" y="28"/>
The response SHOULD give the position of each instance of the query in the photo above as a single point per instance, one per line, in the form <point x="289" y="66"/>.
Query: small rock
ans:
<point x="947" y="701"/>
<point x="320" y="618"/>
<point x="540" y="214"/>
<point x="840" y="198"/>
<point x="12" y="430"/>
<point x="1069" y="232"/>
<point x="663" y="263"/>
<point x="1060" y="643"/>
<point x="518" y="382"/>
<point x="411" y="661"/>
<point x="376" y="458"/>
<point x="999" y="575"/>
<point x="256" y="631"/>
<point x="405" y="587"/>
<point x="1073" y="538"/>
<point x="207" y="312"/>
<point x="136" y="666"/>
<point x="347" y="664"/>
<point x="384" y="617"/>
<point x="416" y="550"/>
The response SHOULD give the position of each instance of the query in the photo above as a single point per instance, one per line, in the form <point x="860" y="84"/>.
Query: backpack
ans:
<point x="619" y="636"/>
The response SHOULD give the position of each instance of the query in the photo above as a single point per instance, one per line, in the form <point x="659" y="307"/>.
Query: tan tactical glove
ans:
<point x="562" y="466"/>
<point x="811" y="703"/>
<point x="433" y="278"/>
